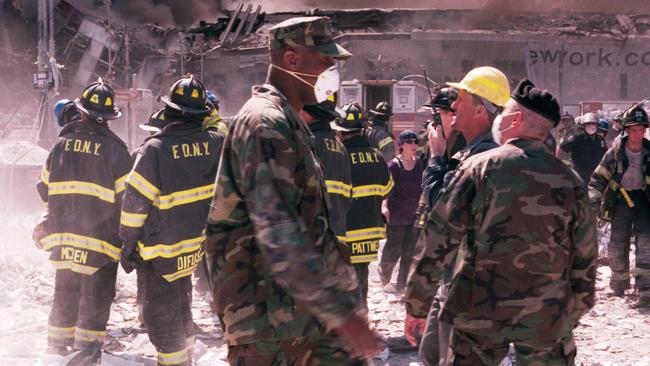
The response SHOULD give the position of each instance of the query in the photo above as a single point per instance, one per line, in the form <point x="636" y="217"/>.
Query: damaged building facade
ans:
<point x="579" y="57"/>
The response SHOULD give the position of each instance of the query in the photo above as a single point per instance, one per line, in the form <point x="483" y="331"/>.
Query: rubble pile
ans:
<point x="614" y="332"/>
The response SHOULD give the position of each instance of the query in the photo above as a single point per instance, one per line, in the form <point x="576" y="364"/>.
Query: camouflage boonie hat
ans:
<point x="314" y="33"/>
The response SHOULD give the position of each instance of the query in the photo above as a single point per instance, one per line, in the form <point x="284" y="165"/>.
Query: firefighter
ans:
<point x="166" y="203"/>
<point x="371" y="184"/>
<point x="82" y="184"/>
<point x="586" y="147"/>
<point x="214" y="125"/>
<point x="620" y="186"/>
<point x="154" y="125"/>
<point x="334" y="158"/>
<point x="213" y="120"/>
<point x="65" y="112"/>
<point x="379" y="132"/>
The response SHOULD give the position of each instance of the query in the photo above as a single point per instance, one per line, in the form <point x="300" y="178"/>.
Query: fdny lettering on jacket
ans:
<point x="82" y="146"/>
<point x="364" y="157"/>
<point x="333" y="146"/>
<point x="190" y="150"/>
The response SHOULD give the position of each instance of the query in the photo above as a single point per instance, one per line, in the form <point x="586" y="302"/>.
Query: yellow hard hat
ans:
<point x="488" y="83"/>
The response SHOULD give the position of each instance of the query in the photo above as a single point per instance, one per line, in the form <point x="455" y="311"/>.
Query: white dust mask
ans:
<point x="496" y="132"/>
<point x="327" y="83"/>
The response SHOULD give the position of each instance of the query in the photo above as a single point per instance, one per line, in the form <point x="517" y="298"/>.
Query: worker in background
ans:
<point x="166" y="203"/>
<point x="479" y="97"/>
<point x="400" y="210"/>
<point x="154" y="125"/>
<point x="566" y="128"/>
<point x="586" y="147"/>
<point x="371" y="184"/>
<point x="282" y="287"/>
<point x="620" y="189"/>
<point x="335" y="161"/>
<point x="380" y="132"/>
<point x="65" y="111"/>
<point x="213" y="124"/>
<point x="213" y="120"/>
<point x="82" y="184"/>
<point x="445" y="144"/>
<point x="603" y="131"/>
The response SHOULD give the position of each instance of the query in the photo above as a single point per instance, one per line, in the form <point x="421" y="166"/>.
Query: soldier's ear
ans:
<point x="291" y="59"/>
<point x="517" y="119"/>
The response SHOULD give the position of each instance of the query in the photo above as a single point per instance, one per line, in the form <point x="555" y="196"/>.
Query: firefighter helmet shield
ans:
<point x="351" y="118"/>
<point x="187" y="95"/>
<point x="98" y="102"/>
<point x="155" y="123"/>
<point x="635" y="116"/>
<point x="382" y="109"/>
<point x="324" y="111"/>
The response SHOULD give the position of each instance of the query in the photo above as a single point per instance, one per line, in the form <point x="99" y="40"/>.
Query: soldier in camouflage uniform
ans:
<point x="282" y="286"/>
<point x="379" y="133"/>
<point x="620" y="185"/>
<point x="517" y="223"/>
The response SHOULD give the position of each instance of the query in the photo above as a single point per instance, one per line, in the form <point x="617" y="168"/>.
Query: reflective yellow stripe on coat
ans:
<point x="142" y="185"/>
<point x="170" y="250"/>
<point x="81" y="242"/>
<point x="120" y="184"/>
<point x="45" y="175"/>
<point x="79" y="187"/>
<point x="337" y="187"/>
<point x="75" y="267"/>
<point x="384" y="142"/>
<point x="366" y="234"/>
<point x="132" y="219"/>
<point x="184" y="197"/>
<point x="373" y="190"/>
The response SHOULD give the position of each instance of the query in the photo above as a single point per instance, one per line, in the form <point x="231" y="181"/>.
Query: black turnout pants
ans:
<point x="81" y="307"/>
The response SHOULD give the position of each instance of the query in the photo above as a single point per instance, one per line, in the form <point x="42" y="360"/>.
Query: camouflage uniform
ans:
<point x="525" y="267"/>
<point x="280" y="279"/>
<point x="436" y="177"/>
<point x="381" y="138"/>
<point x="604" y="190"/>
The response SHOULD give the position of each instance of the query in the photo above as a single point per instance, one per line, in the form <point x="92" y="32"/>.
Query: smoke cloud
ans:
<point x="590" y="6"/>
<point x="168" y="13"/>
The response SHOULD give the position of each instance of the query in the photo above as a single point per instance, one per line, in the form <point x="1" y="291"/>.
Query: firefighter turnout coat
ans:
<point x="82" y="183"/>
<point x="605" y="184"/>
<point x="371" y="184"/>
<point x="336" y="171"/>
<point x="381" y="138"/>
<point x="167" y="197"/>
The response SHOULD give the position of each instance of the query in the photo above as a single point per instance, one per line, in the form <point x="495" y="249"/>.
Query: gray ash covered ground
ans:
<point x="615" y="332"/>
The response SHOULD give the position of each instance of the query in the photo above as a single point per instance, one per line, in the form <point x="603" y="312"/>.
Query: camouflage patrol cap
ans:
<point x="314" y="33"/>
